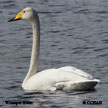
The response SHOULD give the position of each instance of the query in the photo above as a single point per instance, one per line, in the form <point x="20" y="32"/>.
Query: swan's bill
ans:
<point x="17" y="17"/>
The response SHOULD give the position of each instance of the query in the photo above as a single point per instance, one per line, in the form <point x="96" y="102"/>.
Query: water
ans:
<point x="73" y="32"/>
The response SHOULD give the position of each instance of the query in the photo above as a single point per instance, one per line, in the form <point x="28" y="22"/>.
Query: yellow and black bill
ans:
<point x="17" y="17"/>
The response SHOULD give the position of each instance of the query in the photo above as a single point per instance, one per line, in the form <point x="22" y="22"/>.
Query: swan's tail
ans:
<point x="77" y="86"/>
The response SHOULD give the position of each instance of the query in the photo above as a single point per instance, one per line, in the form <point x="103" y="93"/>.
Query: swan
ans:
<point x="66" y="78"/>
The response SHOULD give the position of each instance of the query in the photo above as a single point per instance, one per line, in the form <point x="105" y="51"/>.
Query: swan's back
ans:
<point x="76" y="71"/>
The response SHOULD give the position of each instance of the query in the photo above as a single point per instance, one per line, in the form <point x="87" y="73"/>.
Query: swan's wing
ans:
<point x="82" y="85"/>
<point x="76" y="71"/>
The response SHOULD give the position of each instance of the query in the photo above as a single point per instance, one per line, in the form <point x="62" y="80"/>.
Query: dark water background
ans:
<point x="73" y="32"/>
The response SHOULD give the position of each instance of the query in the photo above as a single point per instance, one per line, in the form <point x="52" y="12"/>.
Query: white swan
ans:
<point x="64" y="78"/>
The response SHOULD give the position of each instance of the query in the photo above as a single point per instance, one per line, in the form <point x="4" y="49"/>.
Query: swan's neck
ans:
<point x="35" y="48"/>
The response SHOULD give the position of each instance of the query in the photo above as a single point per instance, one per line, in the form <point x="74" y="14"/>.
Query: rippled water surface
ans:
<point x="73" y="32"/>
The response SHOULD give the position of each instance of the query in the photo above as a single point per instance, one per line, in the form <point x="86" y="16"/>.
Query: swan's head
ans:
<point x="26" y="14"/>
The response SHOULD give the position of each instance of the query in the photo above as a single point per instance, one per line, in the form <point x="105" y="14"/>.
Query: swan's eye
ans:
<point x="24" y="11"/>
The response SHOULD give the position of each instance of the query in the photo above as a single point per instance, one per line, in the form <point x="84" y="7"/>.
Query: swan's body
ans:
<point x="64" y="78"/>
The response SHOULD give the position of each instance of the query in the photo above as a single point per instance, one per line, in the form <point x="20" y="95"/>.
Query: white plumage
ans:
<point x="65" y="78"/>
